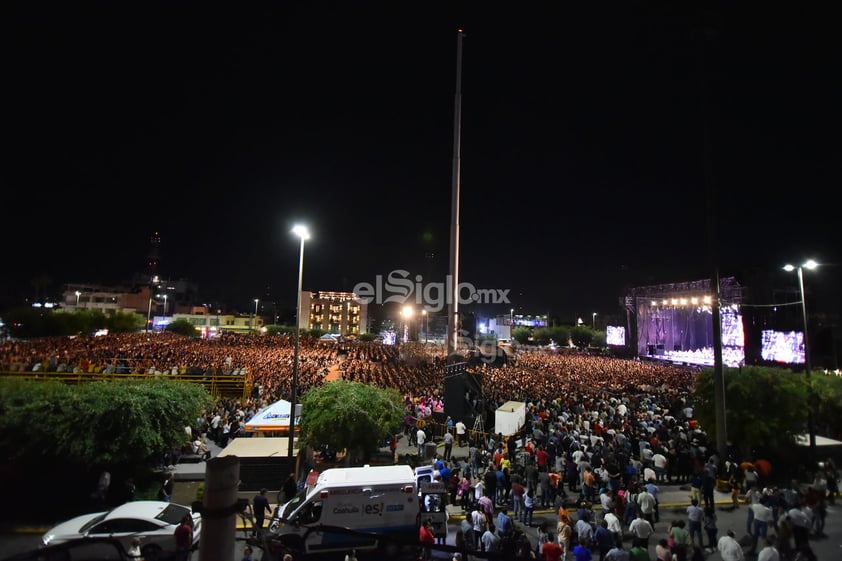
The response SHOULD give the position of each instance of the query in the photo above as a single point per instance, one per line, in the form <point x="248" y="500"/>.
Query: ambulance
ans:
<point x="362" y="508"/>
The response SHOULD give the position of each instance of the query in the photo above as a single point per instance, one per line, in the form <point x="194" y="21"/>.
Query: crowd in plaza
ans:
<point x="599" y="430"/>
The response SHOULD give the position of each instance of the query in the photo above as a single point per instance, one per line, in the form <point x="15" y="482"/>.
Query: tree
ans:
<point x="367" y="337"/>
<point x="350" y="415"/>
<point x="183" y="327"/>
<point x="98" y="423"/>
<point x="542" y="336"/>
<point x="581" y="336"/>
<point x="521" y="335"/>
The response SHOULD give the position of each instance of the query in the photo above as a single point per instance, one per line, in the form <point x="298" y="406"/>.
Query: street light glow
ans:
<point x="301" y="231"/>
<point x="408" y="311"/>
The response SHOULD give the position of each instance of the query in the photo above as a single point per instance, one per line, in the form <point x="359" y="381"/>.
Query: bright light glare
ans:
<point x="810" y="264"/>
<point x="788" y="268"/>
<point x="301" y="231"/>
<point x="408" y="311"/>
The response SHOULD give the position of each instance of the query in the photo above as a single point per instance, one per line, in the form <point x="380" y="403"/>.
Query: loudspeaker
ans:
<point x="462" y="396"/>
<point x="650" y="350"/>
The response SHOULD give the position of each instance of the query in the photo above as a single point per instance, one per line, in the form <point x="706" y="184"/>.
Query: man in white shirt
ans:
<point x="461" y="429"/>
<point x="659" y="463"/>
<point x="614" y="525"/>
<point x="769" y="551"/>
<point x="640" y="529"/>
<point x="729" y="548"/>
<point x="646" y="503"/>
<point x="422" y="437"/>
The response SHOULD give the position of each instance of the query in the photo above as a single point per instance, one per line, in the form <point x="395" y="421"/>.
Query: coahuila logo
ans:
<point x="434" y="296"/>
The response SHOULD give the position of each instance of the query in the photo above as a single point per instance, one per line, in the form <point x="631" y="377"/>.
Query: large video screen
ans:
<point x="615" y="335"/>
<point x="780" y="346"/>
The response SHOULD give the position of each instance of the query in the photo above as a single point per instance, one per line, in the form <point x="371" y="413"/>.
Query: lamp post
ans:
<point x="407" y="312"/>
<point x="149" y="314"/>
<point x="811" y="425"/>
<point x="254" y="316"/>
<point x="511" y="323"/>
<point x="593" y="321"/>
<point x="426" y="325"/>
<point x="165" y="305"/>
<point x="303" y="234"/>
<point x="78" y="294"/>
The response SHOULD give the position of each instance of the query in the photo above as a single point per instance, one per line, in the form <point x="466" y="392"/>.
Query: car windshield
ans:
<point x="294" y="503"/>
<point x="90" y="523"/>
<point x="173" y="514"/>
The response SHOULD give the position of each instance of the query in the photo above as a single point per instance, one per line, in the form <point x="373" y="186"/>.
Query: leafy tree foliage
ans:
<point x="367" y="337"/>
<point x="183" y="327"/>
<point x="350" y="415"/>
<point x="582" y="336"/>
<point x="98" y="423"/>
<point x="764" y="407"/>
<point x="521" y="335"/>
<point x="27" y="322"/>
<point x="560" y="334"/>
<point x="541" y="336"/>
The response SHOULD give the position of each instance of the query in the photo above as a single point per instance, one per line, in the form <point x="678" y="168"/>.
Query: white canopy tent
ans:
<point x="273" y="418"/>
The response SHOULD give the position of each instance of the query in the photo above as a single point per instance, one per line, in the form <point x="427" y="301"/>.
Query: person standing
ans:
<point x="695" y="516"/>
<point x="261" y="507"/>
<point x="448" y="445"/>
<point x="551" y="550"/>
<point x="421" y="438"/>
<point x="640" y="529"/>
<point x="183" y="539"/>
<point x="769" y="551"/>
<point x="709" y="523"/>
<point x="427" y="539"/>
<point x="461" y="430"/>
<point x="729" y="548"/>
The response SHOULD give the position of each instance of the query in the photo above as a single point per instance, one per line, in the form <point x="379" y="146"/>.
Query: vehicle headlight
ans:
<point x="47" y="538"/>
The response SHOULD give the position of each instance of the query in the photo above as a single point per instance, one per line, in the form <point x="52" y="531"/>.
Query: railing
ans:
<point x="217" y="386"/>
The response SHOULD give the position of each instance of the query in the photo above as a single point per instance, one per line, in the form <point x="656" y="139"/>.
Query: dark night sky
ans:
<point x="582" y="170"/>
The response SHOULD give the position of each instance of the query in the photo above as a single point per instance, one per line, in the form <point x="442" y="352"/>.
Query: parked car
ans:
<point x="154" y="522"/>
<point x="86" y="549"/>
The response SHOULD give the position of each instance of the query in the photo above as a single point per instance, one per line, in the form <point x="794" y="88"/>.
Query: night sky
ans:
<point x="583" y="161"/>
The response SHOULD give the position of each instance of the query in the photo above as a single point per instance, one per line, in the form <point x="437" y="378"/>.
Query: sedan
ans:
<point x="154" y="522"/>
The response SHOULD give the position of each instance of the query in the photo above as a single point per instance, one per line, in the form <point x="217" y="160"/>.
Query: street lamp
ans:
<point x="407" y="312"/>
<point x="165" y="305"/>
<point x="593" y="321"/>
<point x="303" y="234"/>
<point x="149" y="314"/>
<point x="811" y="425"/>
<point x="254" y="317"/>
<point x="78" y="294"/>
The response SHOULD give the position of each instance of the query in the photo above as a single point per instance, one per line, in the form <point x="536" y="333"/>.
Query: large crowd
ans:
<point x="599" y="427"/>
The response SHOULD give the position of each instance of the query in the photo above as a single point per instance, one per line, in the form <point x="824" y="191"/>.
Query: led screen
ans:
<point x="615" y="335"/>
<point x="780" y="346"/>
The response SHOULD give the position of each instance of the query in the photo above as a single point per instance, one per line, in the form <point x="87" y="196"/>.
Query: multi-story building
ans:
<point x="334" y="312"/>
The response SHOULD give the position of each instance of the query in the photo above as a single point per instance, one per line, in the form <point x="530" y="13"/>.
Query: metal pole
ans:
<point x="811" y="426"/>
<point x="148" y="314"/>
<point x="295" y="359"/>
<point x="453" y="293"/>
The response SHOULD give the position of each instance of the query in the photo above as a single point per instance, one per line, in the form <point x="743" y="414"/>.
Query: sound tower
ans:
<point x="463" y="399"/>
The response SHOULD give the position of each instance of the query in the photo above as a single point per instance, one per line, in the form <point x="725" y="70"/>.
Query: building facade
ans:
<point x="341" y="313"/>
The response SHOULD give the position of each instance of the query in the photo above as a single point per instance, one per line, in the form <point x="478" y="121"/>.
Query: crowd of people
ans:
<point x="599" y="429"/>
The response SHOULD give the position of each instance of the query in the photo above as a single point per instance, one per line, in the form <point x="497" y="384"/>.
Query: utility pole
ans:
<point x="453" y="292"/>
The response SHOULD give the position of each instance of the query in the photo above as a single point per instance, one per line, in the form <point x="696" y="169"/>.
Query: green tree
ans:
<point x="367" y="337"/>
<point x="581" y="336"/>
<point x="183" y="327"/>
<point x="542" y="336"/>
<point x="764" y="408"/>
<point x="521" y="335"/>
<point x="122" y="322"/>
<point x="560" y="334"/>
<point x="350" y="415"/>
<point x="98" y="423"/>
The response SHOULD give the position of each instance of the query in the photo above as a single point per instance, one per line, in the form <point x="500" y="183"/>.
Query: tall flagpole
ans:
<point x="453" y="285"/>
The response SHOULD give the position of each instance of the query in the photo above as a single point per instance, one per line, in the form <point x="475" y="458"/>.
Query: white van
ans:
<point x="368" y="499"/>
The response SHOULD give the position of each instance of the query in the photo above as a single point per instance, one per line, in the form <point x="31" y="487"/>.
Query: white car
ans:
<point x="154" y="522"/>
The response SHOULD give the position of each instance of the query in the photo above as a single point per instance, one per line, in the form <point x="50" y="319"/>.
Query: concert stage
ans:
<point x="674" y="322"/>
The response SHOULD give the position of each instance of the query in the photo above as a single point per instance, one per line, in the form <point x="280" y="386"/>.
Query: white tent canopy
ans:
<point x="273" y="417"/>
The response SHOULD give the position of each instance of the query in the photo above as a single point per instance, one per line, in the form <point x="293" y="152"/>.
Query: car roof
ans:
<point x="144" y="509"/>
